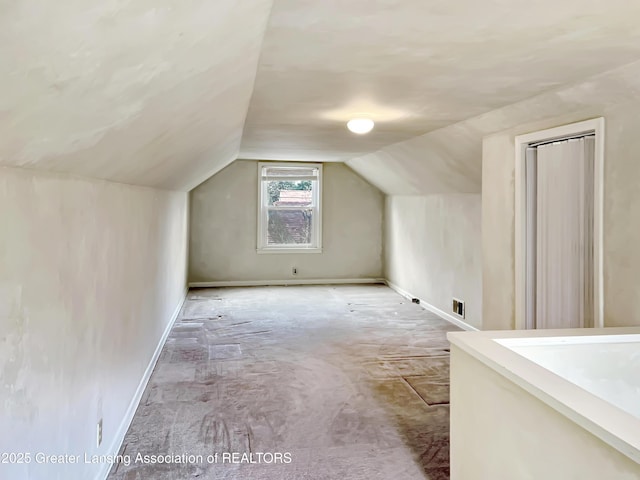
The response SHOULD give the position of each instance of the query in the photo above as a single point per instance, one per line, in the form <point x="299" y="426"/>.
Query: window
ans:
<point x="289" y="214"/>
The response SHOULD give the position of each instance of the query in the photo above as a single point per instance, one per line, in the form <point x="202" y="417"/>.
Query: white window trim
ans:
<point x="316" y="245"/>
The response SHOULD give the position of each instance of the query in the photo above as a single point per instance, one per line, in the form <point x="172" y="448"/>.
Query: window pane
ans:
<point x="289" y="227"/>
<point x="289" y="172"/>
<point x="286" y="193"/>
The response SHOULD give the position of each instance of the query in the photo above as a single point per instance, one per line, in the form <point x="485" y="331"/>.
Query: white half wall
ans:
<point x="501" y="431"/>
<point x="91" y="275"/>
<point x="224" y="230"/>
<point x="433" y="250"/>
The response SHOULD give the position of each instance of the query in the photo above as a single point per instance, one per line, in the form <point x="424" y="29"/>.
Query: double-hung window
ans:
<point x="289" y="210"/>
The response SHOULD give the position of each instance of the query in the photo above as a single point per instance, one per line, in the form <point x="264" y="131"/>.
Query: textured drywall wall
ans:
<point x="224" y="229"/>
<point x="498" y="234"/>
<point x="91" y="273"/>
<point x="433" y="250"/>
<point x="498" y="430"/>
<point x="616" y="97"/>
<point x="147" y="92"/>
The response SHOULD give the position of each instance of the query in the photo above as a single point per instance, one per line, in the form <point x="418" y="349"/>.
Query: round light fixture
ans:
<point x="360" y="125"/>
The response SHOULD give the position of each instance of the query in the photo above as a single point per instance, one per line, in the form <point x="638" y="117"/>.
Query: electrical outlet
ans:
<point x="458" y="307"/>
<point x="294" y="271"/>
<point x="99" y="433"/>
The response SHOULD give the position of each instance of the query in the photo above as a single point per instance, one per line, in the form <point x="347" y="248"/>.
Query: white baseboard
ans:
<point x="263" y="283"/>
<point x="114" y="448"/>
<point x="427" y="306"/>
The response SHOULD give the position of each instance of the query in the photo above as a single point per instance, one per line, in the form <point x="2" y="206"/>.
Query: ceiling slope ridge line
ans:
<point x="253" y="83"/>
<point x="86" y="178"/>
<point x="210" y="173"/>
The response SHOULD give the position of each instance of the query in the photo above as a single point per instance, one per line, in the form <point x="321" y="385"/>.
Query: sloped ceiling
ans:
<point x="136" y="91"/>
<point x="449" y="160"/>
<point x="162" y="93"/>
<point x="417" y="66"/>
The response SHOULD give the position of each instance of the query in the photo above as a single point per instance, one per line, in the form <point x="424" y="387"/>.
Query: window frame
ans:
<point x="263" y="210"/>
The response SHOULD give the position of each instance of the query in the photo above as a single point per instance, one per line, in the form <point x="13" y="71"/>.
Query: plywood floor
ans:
<point x="343" y="382"/>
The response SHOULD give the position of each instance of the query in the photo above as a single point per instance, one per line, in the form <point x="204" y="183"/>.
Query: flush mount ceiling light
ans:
<point x="360" y="125"/>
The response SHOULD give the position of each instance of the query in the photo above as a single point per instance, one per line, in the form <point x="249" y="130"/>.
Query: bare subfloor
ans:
<point x="351" y="382"/>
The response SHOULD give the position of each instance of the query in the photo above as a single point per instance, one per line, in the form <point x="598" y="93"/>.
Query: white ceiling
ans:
<point x="151" y="92"/>
<point x="415" y="66"/>
<point x="157" y="93"/>
<point x="449" y="160"/>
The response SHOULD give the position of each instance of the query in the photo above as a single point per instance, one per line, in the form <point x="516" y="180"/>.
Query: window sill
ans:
<point x="262" y="251"/>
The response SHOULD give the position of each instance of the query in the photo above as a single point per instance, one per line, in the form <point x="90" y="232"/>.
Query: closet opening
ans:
<point x="559" y="185"/>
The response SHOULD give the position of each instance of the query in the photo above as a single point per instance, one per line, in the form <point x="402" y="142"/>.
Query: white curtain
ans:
<point x="560" y="234"/>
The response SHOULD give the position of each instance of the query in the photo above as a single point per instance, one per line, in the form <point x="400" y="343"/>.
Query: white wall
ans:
<point x="621" y="208"/>
<point x="91" y="274"/>
<point x="433" y="250"/>
<point x="498" y="234"/>
<point x="224" y="229"/>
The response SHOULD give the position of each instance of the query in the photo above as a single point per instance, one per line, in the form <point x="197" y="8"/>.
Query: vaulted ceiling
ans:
<point x="151" y="92"/>
<point x="166" y="94"/>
